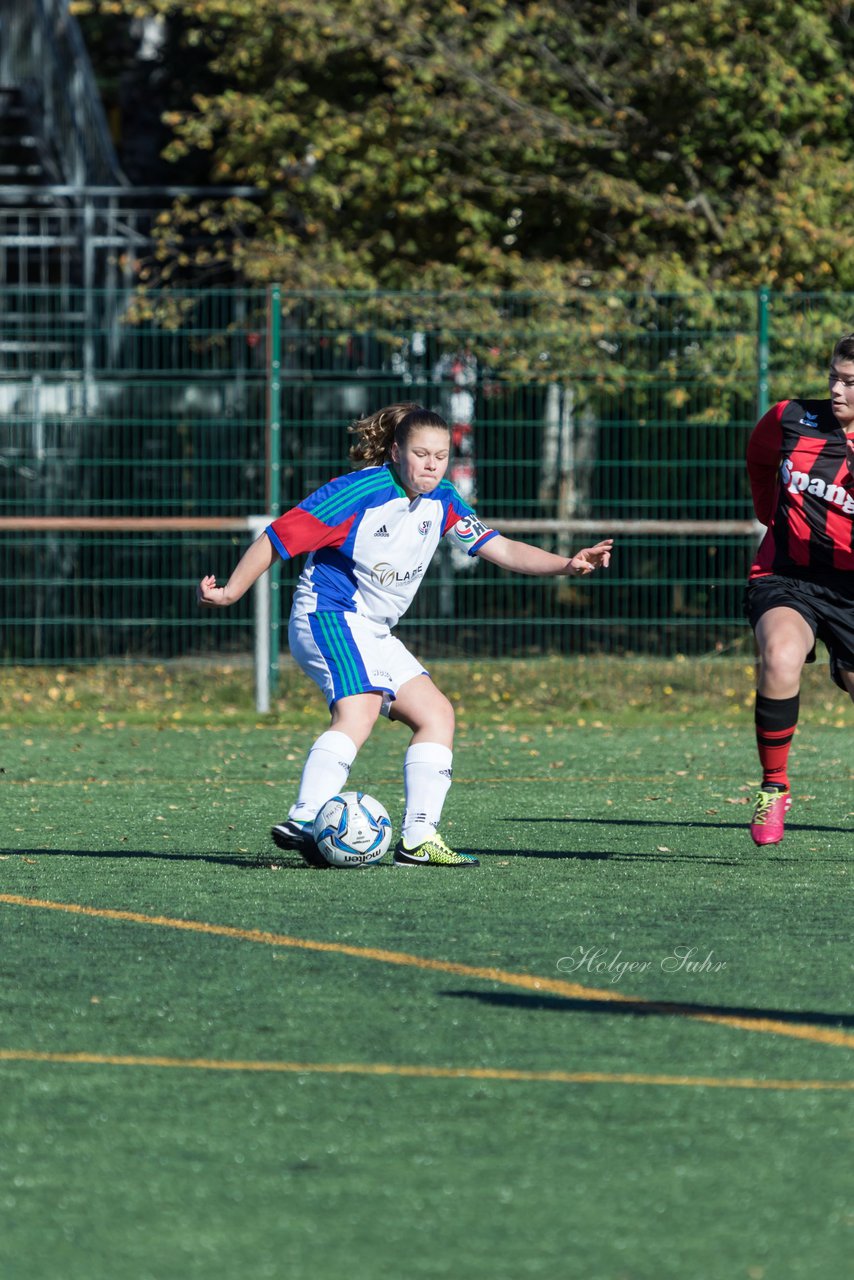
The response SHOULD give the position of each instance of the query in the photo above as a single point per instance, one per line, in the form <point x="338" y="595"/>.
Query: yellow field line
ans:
<point x="419" y="1072"/>
<point x="524" y="981"/>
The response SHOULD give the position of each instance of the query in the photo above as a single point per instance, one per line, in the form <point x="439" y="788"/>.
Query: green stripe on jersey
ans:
<point x="329" y="510"/>
<point x="446" y="484"/>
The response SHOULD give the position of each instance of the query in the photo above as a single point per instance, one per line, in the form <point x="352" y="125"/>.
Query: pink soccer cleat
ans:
<point x="769" y="815"/>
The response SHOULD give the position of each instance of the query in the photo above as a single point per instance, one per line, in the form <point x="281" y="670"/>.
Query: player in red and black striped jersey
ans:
<point x="800" y="462"/>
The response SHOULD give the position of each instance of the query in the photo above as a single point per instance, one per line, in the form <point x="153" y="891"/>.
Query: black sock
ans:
<point x="776" y="720"/>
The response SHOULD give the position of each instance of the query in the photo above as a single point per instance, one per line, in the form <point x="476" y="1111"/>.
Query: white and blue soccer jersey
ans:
<point x="370" y="545"/>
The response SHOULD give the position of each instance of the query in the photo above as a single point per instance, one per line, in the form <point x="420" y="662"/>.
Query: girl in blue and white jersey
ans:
<point x="371" y="535"/>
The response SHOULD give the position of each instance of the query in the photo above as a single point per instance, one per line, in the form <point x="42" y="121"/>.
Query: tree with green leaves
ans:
<point x="542" y="171"/>
<point x="437" y="143"/>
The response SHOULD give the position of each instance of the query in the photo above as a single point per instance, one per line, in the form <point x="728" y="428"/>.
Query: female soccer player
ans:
<point x="800" y="462"/>
<point x="371" y="535"/>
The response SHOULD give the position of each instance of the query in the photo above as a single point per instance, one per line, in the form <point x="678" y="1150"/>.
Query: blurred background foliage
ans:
<point x="437" y="144"/>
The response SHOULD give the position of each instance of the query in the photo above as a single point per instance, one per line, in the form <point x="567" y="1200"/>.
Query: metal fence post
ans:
<point x="763" y="353"/>
<point x="261" y="594"/>
<point x="274" y="462"/>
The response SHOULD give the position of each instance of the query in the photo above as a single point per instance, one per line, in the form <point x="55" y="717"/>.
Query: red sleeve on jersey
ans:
<point x="764" y="562"/>
<point x="452" y="517"/>
<point x="763" y="461"/>
<point x="297" y="531"/>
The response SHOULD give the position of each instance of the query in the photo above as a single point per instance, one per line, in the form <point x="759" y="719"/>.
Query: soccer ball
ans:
<point x="352" y="830"/>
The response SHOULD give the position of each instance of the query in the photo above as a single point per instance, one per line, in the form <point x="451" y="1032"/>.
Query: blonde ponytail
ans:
<point x="394" y="424"/>
<point x="375" y="434"/>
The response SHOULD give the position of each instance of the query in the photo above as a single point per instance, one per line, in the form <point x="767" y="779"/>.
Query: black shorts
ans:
<point x="829" y="612"/>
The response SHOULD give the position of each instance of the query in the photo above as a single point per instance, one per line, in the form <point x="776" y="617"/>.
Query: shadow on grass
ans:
<point x="605" y="855"/>
<point x="245" y="861"/>
<point x="651" y="1008"/>
<point x="685" y="823"/>
<point x="292" y="862"/>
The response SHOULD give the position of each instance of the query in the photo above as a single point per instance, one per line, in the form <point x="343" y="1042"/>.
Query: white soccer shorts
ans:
<point x="345" y="653"/>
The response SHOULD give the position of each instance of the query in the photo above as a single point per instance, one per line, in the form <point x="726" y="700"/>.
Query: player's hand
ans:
<point x="209" y="595"/>
<point x="590" y="558"/>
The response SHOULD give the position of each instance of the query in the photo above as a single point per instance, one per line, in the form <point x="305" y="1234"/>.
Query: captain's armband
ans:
<point x="469" y="533"/>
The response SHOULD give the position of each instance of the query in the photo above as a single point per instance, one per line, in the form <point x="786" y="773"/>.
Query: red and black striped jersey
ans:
<point x="803" y="491"/>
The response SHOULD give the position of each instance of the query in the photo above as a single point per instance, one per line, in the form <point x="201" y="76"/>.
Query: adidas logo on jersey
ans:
<point x="382" y="532"/>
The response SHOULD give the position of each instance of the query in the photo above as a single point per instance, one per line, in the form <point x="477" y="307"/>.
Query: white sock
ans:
<point x="426" y="780"/>
<point x="324" y="773"/>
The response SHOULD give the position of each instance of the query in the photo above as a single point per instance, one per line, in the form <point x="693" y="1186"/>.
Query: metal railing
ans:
<point x="42" y="50"/>
<point x="227" y="407"/>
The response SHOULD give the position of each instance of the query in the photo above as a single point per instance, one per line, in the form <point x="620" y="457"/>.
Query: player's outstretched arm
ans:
<point x="591" y="558"/>
<point x="255" y="561"/>
<point x="521" y="557"/>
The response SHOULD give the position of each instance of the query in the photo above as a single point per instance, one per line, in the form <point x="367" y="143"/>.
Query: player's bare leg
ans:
<point x="422" y="706"/>
<point x="356" y="716"/>
<point x="784" y="639"/>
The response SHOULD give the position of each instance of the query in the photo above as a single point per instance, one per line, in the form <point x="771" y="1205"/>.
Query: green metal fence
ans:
<point x="139" y="433"/>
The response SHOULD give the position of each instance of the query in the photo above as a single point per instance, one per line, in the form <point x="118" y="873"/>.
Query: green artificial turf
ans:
<point x="622" y="988"/>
